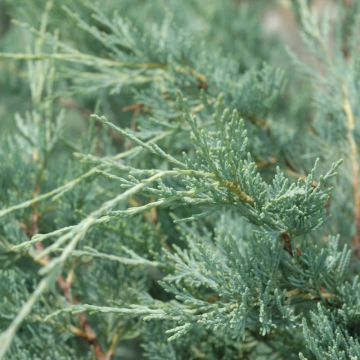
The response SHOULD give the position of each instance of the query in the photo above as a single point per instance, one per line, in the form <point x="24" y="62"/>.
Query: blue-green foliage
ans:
<point x="203" y="211"/>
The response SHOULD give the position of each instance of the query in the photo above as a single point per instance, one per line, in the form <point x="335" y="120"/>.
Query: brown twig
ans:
<point x="323" y="295"/>
<point x="354" y="166"/>
<point x="73" y="105"/>
<point x="235" y="188"/>
<point x="136" y="110"/>
<point x="288" y="246"/>
<point x="110" y="353"/>
<point x="287" y="243"/>
<point x="86" y="332"/>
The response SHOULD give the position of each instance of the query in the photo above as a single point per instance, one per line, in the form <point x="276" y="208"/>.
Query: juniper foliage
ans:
<point x="171" y="180"/>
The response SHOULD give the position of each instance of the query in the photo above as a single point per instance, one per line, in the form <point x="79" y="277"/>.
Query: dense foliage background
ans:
<point x="179" y="179"/>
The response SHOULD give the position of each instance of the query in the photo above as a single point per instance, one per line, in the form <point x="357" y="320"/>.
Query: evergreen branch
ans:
<point x="155" y="149"/>
<point x="133" y="260"/>
<point x="134" y="310"/>
<point x="75" y="235"/>
<point x="80" y="58"/>
<point x="61" y="190"/>
<point x="56" y="192"/>
<point x="7" y="336"/>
